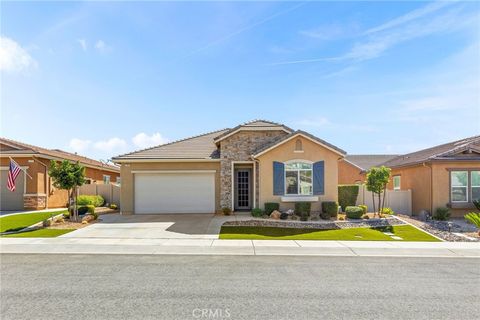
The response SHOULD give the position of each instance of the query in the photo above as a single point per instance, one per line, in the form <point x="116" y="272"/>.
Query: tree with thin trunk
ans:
<point x="377" y="180"/>
<point x="68" y="176"/>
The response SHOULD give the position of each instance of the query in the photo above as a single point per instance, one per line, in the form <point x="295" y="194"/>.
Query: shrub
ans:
<point x="257" y="212"/>
<point x="96" y="201"/>
<point x="347" y="195"/>
<point x="226" y="211"/>
<point x="325" y="215"/>
<point x="353" y="212"/>
<point x="476" y="203"/>
<point x="283" y="216"/>
<point x="365" y="216"/>
<point x="474" y="218"/>
<point x="388" y="211"/>
<point x="66" y="215"/>
<point x="47" y="223"/>
<point x="341" y="218"/>
<point x="113" y="206"/>
<point x="271" y="206"/>
<point x="364" y="208"/>
<point x="330" y="208"/>
<point x="441" y="214"/>
<point x="302" y="208"/>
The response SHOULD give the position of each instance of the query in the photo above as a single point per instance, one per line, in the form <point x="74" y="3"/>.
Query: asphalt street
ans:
<point x="237" y="287"/>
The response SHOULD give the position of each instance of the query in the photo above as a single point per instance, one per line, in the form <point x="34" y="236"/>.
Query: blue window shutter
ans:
<point x="278" y="178"/>
<point x="319" y="178"/>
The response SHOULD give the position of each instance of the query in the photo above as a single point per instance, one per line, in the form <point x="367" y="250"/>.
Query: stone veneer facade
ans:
<point x="240" y="147"/>
<point x="34" y="201"/>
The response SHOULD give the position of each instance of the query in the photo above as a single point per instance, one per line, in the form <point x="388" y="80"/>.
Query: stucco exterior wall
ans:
<point x="285" y="152"/>
<point x="40" y="191"/>
<point x="349" y="174"/>
<point x="240" y="147"/>
<point x="430" y="185"/>
<point x="128" y="182"/>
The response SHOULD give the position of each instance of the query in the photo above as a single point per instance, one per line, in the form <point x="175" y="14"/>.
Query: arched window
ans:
<point x="298" y="145"/>
<point x="298" y="178"/>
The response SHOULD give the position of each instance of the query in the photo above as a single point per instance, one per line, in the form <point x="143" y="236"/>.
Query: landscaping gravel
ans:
<point x="322" y="225"/>
<point x="440" y="229"/>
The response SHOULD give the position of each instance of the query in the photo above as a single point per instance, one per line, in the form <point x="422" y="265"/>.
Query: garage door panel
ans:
<point x="11" y="200"/>
<point x="175" y="193"/>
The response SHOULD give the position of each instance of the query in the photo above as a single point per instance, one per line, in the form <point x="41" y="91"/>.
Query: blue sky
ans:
<point x="104" y="78"/>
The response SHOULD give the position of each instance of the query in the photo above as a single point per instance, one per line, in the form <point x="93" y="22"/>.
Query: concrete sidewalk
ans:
<point x="238" y="247"/>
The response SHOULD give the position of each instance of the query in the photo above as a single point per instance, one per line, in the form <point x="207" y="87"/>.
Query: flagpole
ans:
<point x="24" y="171"/>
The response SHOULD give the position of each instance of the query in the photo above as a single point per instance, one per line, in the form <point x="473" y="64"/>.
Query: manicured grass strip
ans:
<point x="20" y="221"/>
<point x="41" y="233"/>
<point x="406" y="232"/>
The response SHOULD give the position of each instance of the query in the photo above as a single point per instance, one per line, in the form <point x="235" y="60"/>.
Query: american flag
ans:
<point x="12" y="175"/>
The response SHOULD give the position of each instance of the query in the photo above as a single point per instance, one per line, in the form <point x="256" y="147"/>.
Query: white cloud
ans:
<point x="79" y="145"/>
<point x="83" y="44"/>
<point x="13" y="58"/>
<point x="112" y="144"/>
<point x="142" y="140"/>
<point x="102" y="47"/>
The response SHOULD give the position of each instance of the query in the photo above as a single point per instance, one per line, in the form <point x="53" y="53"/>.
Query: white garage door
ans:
<point x="179" y="192"/>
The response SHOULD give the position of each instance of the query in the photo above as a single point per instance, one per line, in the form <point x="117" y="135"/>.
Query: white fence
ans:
<point x="110" y="192"/>
<point x="399" y="200"/>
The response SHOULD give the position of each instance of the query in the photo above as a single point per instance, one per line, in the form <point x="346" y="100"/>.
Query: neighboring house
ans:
<point x="447" y="175"/>
<point x="240" y="168"/>
<point x="38" y="192"/>
<point x="353" y="168"/>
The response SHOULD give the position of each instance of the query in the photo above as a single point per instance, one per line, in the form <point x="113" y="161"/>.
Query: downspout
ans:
<point x="431" y="186"/>
<point x="47" y="185"/>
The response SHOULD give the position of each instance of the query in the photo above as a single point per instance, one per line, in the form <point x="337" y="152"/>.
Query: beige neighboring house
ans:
<point x="239" y="168"/>
<point x="353" y="168"/>
<point x="447" y="175"/>
<point x="38" y="191"/>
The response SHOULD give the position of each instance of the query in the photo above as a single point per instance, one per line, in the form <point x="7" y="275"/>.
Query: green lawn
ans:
<point x="406" y="232"/>
<point x="41" y="233"/>
<point x="20" y="221"/>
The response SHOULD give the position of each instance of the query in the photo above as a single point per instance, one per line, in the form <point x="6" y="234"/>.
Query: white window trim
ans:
<point x="399" y="187"/>
<point x="109" y="177"/>
<point x="471" y="183"/>
<point x="466" y="187"/>
<point x="298" y="194"/>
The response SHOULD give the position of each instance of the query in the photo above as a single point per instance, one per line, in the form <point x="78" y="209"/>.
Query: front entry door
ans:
<point x="243" y="193"/>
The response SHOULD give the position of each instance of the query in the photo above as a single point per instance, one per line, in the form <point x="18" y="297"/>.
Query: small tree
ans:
<point x="68" y="176"/>
<point x="377" y="180"/>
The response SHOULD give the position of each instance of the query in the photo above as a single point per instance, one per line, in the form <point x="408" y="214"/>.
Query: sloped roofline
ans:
<point x="304" y="134"/>
<point x="125" y="155"/>
<point x="244" y="126"/>
<point x="24" y="150"/>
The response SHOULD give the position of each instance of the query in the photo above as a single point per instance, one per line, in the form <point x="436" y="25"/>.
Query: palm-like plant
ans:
<point x="477" y="203"/>
<point x="474" y="218"/>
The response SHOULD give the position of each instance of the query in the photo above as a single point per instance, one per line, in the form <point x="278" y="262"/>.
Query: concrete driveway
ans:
<point x="160" y="226"/>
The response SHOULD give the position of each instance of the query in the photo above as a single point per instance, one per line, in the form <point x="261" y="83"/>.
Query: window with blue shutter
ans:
<point x="278" y="178"/>
<point x="319" y="178"/>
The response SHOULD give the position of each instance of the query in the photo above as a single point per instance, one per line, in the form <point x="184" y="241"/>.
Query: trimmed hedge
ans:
<point x="85" y="200"/>
<point x="90" y="209"/>
<point x="441" y="214"/>
<point x="302" y="209"/>
<point x="257" y="212"/>
<point x="354" y="212"/>
<point x="330" y="208"/>
<point x="271" y="206"/>
<point x="347" y="195"/>
<point x="364" y="208"/>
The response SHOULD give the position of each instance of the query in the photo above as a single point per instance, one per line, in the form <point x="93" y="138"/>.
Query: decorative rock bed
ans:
<point x="322" y="225"/>
<point x="440" y="229"/>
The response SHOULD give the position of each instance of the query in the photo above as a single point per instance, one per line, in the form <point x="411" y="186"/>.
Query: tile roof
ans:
<point x="441" y="152"/>
<point x="254" y="124"/>
<point x="24" y="148"/>
<point x="366" y="161"/>
<point x="197" y="147"/>
<point x="288" y="136"/>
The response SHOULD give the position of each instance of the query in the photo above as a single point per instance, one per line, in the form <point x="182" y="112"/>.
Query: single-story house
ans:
<point x="447" y="175"/>
<point x="353" y="168"/>
<point x="38" y="191"/>
<point x="239" y="168"/>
